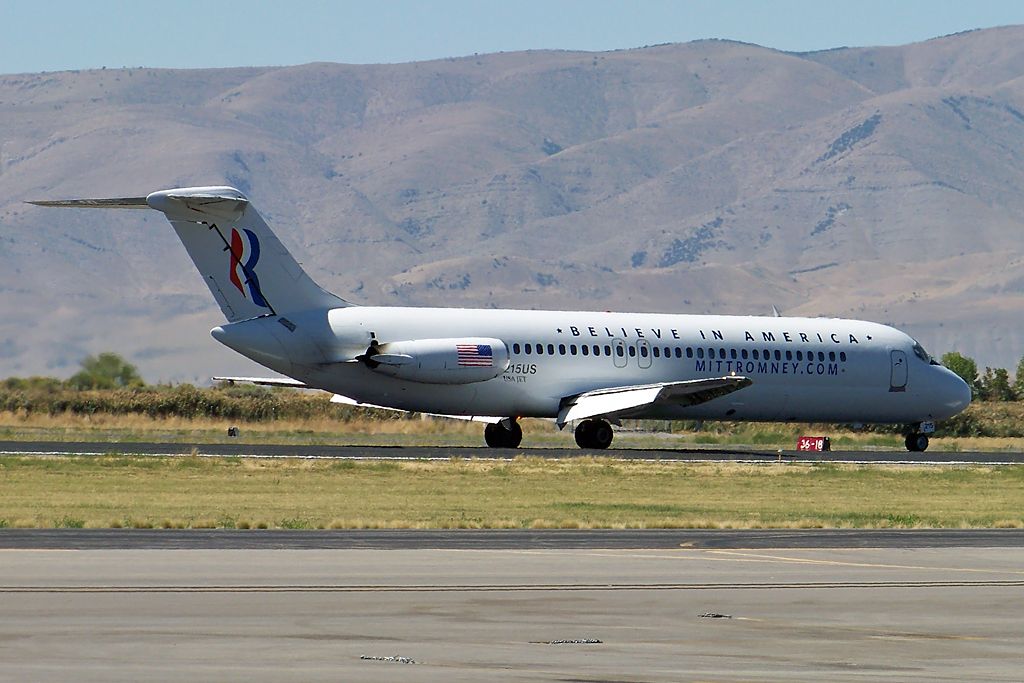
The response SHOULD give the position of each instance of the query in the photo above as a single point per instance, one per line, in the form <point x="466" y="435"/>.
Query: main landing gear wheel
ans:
<point x="594" y="434"/>
<point x="497" y="435"/>
<point x="916" y="443"/>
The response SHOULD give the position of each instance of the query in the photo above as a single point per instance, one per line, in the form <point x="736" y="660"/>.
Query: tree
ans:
<point x="1018" y="381"/>
<point x="994" y="385"/>
<point x="106" y="371"/>
<point x="965" y="367"/>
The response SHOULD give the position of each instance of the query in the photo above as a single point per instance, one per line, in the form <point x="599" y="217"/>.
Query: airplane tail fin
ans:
<point x="247" y="268"/>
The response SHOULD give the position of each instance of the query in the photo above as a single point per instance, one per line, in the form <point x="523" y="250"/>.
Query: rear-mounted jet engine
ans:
<point x="458" y="360"/>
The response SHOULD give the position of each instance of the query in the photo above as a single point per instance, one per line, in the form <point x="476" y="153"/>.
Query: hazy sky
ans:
<point x="48" y="35"/>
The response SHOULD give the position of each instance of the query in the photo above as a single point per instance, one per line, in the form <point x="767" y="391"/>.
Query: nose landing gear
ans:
<point x="916" y="443"/>
<point x="595" y="434"/>
<point x="917" y="437"/>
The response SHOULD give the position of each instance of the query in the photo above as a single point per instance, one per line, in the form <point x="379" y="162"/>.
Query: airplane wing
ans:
<point x="338" y="398"/>
<point x="265" y="381"/>
<point x="618" y="401"/>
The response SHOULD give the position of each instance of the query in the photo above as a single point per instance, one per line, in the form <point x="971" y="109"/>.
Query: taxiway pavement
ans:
<point x="517" y="613"/>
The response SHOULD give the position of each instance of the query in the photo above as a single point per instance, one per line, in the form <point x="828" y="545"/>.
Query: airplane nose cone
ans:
<point x="955" y="394"/>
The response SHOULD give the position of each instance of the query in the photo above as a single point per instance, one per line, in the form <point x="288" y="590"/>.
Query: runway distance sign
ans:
<point x="813" y="444"/>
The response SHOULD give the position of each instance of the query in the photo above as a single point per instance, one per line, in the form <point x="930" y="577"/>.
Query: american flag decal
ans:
<point x="475" y="355"/>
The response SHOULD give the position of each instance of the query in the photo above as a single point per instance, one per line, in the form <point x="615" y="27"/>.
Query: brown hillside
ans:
<point x="881" y="183"/>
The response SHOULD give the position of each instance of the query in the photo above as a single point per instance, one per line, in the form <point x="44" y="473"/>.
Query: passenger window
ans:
<point x="643" y="351"/>
<point x="632" y="352"/>
<point x="743" y="354"/>
<point x="561" y="349"/>
<point x="789" y="355"/>
<point x="607" y="350"/>
<point x="842" y="356"/>
<point x="515" y="348"/>
<point x="540" y="349"/>
<point x="619" y="352"/>
<point x="732" y="354"/>
<point x="584" y="349"/>
<point x="799" y="355"/>
<point x="679" y="352"/>
<point x="657" y="352"/>
<point x="526" y="348"/>
<point x="551" y="349"/>
<point x="821" y="356"/>
<point x="778" y="354"/>
<point x="711" y="353"/>
<point x="832" y="356"/>
<point x="721" y="353"/>
<point x="689" y="352"/>
<point x="755" y="354"/>
<point x="572" y="349"/>
<point x="597" y="350"/>
<point x="700" y="352"/>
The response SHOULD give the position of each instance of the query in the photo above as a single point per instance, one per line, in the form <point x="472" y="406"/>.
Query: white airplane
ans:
<point x="497" y="366"/>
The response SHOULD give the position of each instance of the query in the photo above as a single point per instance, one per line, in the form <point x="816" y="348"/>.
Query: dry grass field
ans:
<point x="526" y="492"/>
<point x="362" y="431"/>
<point x="115" y="491"/>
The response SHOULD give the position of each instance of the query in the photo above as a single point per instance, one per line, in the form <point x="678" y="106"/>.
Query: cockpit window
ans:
<point x="922" y="354"/>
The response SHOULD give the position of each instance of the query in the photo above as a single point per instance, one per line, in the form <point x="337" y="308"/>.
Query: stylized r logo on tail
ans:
<point x="245" y="253"/>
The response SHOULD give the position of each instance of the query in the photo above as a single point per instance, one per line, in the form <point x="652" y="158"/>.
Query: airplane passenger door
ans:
<point x="898" y="371"/>
<point x="619" y="353"/>
<point x="643" y="354"/>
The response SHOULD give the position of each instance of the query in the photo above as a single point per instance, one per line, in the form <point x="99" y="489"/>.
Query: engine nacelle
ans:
<point x="458" y="360"/>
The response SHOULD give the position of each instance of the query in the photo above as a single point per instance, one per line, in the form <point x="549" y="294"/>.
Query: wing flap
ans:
<point x="616" y="401"/>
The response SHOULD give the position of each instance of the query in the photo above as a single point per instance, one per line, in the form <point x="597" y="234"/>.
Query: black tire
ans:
<point x="601" y="435"/>
<point x="492" y="435"/>
<point x="917" y="443"/>
<point x="497" y="436"/>
<point x="585" y="434"/>
<point x="513" y="436"/>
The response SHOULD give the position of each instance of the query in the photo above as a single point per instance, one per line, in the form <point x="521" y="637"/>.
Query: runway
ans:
<point x="561" y="613"/>
<point x="506" y="539"/>
<point x="58" y="448"/>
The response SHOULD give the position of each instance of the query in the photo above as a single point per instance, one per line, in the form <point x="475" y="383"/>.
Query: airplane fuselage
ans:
<point x="585" y="367"/>
<point x="803" y="369"/>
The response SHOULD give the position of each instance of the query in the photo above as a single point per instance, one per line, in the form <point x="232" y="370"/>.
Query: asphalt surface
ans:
<point x="57" y="448"/>
<point x="472" y="615"/>
<point x="511" y="539"/>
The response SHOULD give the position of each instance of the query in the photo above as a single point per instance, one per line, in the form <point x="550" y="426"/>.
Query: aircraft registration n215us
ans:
<point x="496" y="366"/>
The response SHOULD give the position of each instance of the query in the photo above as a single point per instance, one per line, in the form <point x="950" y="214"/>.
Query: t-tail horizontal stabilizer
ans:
<point x="113" y="203"/>
<point x="247" y="268"/>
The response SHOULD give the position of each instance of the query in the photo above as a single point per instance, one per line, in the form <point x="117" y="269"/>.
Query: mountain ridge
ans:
<point x="878" y="182"/>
